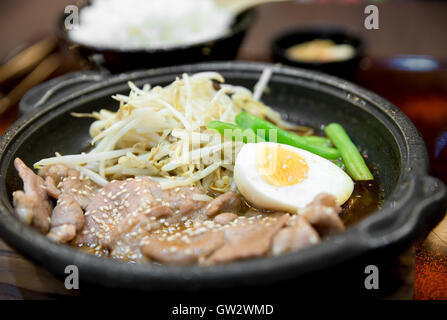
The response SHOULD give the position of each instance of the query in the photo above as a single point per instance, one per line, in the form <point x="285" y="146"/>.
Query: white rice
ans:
<point x="137" y="24"/>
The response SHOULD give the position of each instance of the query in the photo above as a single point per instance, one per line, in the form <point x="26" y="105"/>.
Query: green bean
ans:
<point x="229" y="130"/>
<point x="246" y="120"/>
<point x="353" y="160"/>
<point x="317" y="140"/>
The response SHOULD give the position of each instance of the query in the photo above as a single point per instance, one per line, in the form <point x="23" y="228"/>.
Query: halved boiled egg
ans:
<point x="281" y="177"/>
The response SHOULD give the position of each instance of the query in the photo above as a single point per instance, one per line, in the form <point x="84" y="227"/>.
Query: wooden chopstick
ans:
<point x="27" y="59"/>
<point x="39" y="74"/>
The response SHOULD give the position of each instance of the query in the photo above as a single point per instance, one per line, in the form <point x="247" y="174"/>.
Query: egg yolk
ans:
<point x="280" y="166"/>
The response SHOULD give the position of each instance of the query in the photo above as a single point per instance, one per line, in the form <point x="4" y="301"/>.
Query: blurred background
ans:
<point x="405" y="60"/>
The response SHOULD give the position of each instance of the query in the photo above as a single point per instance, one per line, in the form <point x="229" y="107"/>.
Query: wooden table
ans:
<point x="403" y="29"/>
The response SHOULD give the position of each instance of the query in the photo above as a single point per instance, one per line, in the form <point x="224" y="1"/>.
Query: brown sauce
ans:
<point x="365" y="199"/>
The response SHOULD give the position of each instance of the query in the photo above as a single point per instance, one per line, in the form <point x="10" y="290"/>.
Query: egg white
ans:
<point x="323" y="177"/>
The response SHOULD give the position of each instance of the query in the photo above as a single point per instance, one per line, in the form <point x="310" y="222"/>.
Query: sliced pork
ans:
<point x="33" y="205"/>
<point x="67" y="211"/>
<point x="51" y="188"/>
<point x="122" y="212"/>
<point x="298" y="234"/>
<point x="70" y="181"/>
<point x="66" y="217"/>
<point x="57" y="172"/>
<point x="225" y="218"/>
<point x="227" y="202"/>
<point x="183" y="250"/>
<point x="63" y="233"/>
<point x="80" y="188"/>
<point x="322" y="213"/>
<point x="248" y="237"/>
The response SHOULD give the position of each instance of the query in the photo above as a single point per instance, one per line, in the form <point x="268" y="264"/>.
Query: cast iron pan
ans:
<point x="413" y="201"/>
